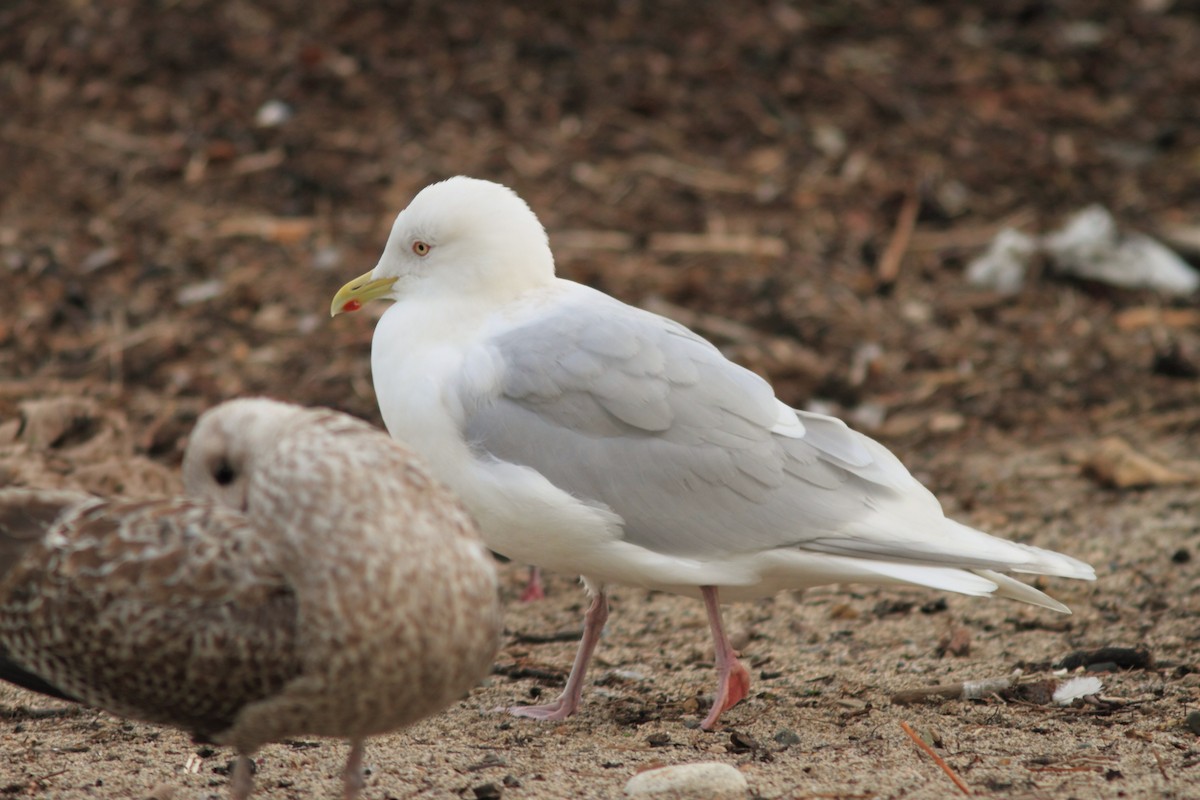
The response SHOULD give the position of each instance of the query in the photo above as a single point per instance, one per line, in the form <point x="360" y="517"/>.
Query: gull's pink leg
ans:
<point x="568" y="702"/>
<point x="534" y="589"/>
<point x="733" y="681"/>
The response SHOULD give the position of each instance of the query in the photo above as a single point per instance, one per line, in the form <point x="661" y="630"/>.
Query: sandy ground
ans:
<point x="819" y="722"/>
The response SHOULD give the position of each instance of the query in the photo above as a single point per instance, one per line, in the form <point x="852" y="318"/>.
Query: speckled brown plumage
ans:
<point x="316" y="582"/>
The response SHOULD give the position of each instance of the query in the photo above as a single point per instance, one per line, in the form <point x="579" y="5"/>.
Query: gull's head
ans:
<point x="229" y="444"/>
<point x="462" y="236"/>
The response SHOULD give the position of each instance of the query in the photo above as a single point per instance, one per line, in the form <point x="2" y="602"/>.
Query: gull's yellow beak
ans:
<point x="358" y="291"/>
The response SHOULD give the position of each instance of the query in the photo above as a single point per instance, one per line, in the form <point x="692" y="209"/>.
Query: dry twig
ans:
<point x="941" y="762"/>
<point x="888" y="268"/>
<point x="741" y="244"/>
<point x="968" y="237"/>
<point x="965" y="690"/>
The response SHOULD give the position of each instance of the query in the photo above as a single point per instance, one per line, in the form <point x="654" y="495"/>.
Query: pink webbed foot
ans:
<point x="560" y="709"/>
<point x="568" y="702"/>
<point x="732" y="689"/>
<point x="733" y="681"/>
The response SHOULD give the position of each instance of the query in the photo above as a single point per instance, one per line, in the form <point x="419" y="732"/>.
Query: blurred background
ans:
<point x="183" y="186"/>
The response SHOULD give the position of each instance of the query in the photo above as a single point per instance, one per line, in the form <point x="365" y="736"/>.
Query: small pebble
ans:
<point x="487" y="791"/>
<point x="934" y="606"/>
<point x="1192" y="721"/>
<point x="786" y="737"/>
<point x="742" y="742"/>
<point x="739" y="636"/>
<point x="707" y="780"/>
<point x="1109" y="659"/>
<point x="957" y="642"/>
<point x="162" y="791"/>
<point x="886" y="608"/>
<point x="272" y="114"/>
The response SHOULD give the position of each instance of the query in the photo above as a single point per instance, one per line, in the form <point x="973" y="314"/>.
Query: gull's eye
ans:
<point x="421" y="248"/>
<point x="223" y="473"/>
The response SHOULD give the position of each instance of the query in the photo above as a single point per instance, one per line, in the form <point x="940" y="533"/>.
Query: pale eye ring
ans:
<point x="421" y="248"/>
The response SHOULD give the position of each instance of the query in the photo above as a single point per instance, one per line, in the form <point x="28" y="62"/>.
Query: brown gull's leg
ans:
<point x="241" y="782"/>
<point x="352" y="777"/>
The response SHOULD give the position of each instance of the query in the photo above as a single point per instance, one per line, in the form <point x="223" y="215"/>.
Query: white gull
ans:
<point x="591" y="437"/>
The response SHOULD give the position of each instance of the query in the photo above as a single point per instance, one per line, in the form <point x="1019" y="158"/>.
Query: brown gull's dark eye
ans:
<point x="223" y="473"/>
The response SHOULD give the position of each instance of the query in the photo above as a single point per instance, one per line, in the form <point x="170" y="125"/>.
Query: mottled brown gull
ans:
<point x="591" y="437"/>
<point x="317" y="581"/>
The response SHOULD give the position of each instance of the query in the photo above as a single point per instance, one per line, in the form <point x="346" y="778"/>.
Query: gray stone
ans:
<point x="708" y="780"/>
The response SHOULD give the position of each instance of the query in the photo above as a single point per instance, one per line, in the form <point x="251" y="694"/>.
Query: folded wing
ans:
<point x="622" y="407"/>
<point x="166" y="611"/>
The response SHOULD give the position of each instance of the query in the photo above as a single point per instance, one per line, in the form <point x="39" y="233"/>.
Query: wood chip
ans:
<point x="732" y="243"/>
<point x="955" y="643"/>
<point x="1134" y="319"/>
<point x="888" y="268"/>
<point x="704" y="178"/>
<point x="282" y="230"/>
<point x="1115" y="464"/>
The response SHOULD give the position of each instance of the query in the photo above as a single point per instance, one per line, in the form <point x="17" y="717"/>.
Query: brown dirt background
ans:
<point x="160" y="252"/>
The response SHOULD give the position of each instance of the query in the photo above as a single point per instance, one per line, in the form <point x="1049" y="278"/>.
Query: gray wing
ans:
<point x="166" y="611"/>
<point x="622" y="407"/>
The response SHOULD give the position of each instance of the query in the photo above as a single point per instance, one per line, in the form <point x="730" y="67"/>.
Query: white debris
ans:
<point x="870" y="416"/>
<point x="979" y="690"/>
<point x="830" y="140"/>
<point x="1090" y="246"/>
<point x="99" y="259"/>
<point x="707" y="780"/>
<point x="327" y="258"/>
<point x="272" y="114"/>
<point x="308" y="323"/>
<point x="1070" y="691"/>
<point x="1003" y="266"/>
<point x="199" y="292"/>
<point x="1083" y="34"/>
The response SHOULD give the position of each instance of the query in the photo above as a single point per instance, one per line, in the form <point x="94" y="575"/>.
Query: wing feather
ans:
<point x="167" y="611"/>
<point x="624" y="408"/>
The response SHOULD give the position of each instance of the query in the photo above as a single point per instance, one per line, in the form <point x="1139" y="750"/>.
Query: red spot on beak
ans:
<point x="352" y="305"/>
